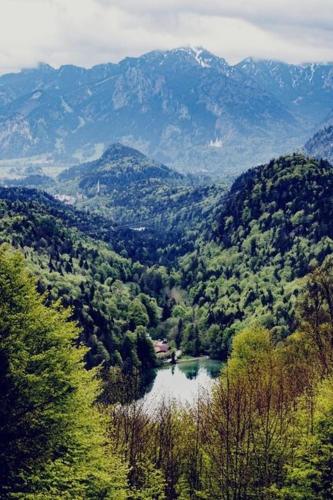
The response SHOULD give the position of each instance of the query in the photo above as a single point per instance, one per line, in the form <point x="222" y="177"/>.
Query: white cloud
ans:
<point x="87" y="32"/>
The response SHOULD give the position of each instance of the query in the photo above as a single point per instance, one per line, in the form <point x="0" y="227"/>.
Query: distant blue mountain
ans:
<point x="321" y="144"/>
<point x="185" y="107"/>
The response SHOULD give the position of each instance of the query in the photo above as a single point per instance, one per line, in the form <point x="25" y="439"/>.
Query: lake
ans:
<point x="182" y="381"/>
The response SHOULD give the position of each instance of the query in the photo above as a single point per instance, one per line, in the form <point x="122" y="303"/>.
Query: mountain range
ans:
<point x="321" y="144"/>
<point x="185" y="107"/>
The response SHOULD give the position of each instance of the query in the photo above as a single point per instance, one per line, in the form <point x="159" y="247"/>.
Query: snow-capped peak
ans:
<point x="200" y="56"/>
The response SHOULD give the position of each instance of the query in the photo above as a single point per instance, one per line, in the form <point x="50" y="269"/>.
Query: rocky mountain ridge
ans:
<point x="186" y="107"/>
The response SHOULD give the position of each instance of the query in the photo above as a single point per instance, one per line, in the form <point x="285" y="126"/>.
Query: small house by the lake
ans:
<point x="161" y="347"/>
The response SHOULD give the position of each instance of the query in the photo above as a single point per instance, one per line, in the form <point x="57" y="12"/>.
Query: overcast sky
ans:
<point x="87" y="32"/>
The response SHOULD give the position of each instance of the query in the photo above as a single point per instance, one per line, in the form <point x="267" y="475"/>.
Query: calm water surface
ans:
<point x="183" y="381"/>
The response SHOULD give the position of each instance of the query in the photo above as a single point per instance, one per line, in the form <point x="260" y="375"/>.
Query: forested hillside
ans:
<point x="166" y="250"/>
<point x="118" y="166"/>
<point x="228" y="258"/>
<point x="54" y="441"/>
<point x="134" y="190"/>
<point x="248" y="279"/>
<point x="274" y="227"/>
<point x="265" y="431"/>
<point x="114" y="300"/>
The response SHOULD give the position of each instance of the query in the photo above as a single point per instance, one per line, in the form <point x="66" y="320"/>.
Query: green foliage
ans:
<point x="133" y="189"/>
<point x="310" y="477"/>
<point x="191" y="340"/>
<point x="274" y="226"/>
<point x="53" y="439"/>
<point x="102" y="288"/>
<point x="265" y="432"/>
<point x="164" y="208"/>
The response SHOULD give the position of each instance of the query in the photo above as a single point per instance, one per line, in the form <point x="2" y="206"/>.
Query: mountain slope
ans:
<point x="321" y="144"/>
<point x="105" y="290"/>
<point x="119" y="166"/>
<point x="246" y="252"/>
<point x="136" y="191"/>
<point x="306" y="89"/>
<point x="273" y="228"/>
<point x="186" y="107"/>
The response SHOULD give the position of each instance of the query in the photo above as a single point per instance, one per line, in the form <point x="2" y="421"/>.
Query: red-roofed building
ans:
<point x="161" y="346"/>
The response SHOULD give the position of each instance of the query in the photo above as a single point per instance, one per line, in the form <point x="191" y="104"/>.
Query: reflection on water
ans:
<point x="183" y="381"/>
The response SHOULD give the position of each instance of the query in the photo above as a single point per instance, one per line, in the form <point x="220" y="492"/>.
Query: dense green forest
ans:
<point x="244" y="275"/>
<point x="132" y="189"/>
<point x="266" y="429"/>
<point x="107" y="293"/>
<point x="264" y="432"/>
<point x="213" y="266"/>
<point x="274" y="226"/>
<point x="54" y="441"/>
